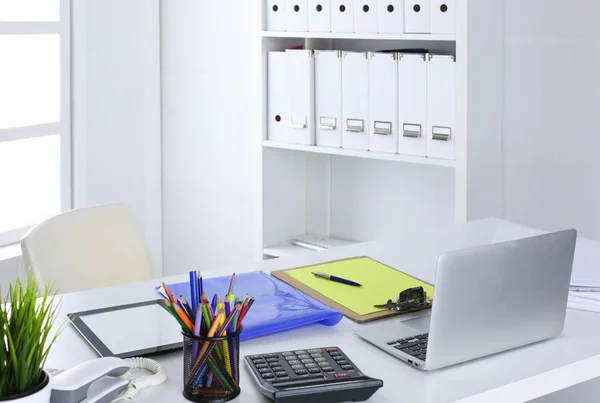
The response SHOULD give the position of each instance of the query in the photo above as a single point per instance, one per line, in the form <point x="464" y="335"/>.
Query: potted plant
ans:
<point x="26" y="321"/>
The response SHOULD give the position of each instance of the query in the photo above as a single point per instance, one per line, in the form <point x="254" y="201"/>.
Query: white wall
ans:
<point x="375" y="199"/>
<point x="551" y="140"/>
<point x="11" y="264"/>
<point x="116" y="110"/>
<point x="211" y="120"/>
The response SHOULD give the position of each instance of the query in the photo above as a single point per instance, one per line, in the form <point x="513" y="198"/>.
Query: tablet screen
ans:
<point x="131" y="329"/>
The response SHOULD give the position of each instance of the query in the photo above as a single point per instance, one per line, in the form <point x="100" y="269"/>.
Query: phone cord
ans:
<point x="159" y="375"/>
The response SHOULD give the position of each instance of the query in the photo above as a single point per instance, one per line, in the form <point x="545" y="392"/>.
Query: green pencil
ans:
<point x="206" y="316"/>
<point x="172" y="310"/>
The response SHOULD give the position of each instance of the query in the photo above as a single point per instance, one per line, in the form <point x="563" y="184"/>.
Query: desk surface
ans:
<point x="515" y="376"/>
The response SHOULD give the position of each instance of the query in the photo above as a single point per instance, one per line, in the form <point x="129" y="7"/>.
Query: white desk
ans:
<point x="516" y="376"/>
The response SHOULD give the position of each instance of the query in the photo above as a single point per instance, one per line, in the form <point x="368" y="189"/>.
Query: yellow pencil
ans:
<point x="225" y="347"/>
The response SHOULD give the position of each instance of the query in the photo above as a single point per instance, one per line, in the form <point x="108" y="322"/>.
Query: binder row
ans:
<point x="362" y="16"/>
<point x="374" y="101"/>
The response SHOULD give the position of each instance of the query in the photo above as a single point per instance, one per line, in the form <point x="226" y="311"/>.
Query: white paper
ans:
<point x="586" y="265"/>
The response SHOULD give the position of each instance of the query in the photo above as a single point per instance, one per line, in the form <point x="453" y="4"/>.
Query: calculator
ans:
<point x="318" y="375"/>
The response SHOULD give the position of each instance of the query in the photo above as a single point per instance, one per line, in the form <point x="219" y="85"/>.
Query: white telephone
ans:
<point x="104" y="380"/>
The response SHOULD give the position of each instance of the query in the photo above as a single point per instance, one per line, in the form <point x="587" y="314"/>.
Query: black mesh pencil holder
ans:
<point x="211" y="370"/>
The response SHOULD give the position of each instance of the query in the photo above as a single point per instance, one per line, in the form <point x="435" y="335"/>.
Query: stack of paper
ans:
<point x="584" y="293"/>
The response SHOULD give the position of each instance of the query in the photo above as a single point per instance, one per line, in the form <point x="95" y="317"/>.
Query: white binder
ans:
<point x="391" y="16"/>
<point x="319" y="15"/>
<point x="383" y="103"/>
<point x="328" y="98"/>
<point x="299" y="89"/>
<point x="276" y="18"/>
<point x="441" y="136"/>
<point x="365" y="16"/>
<point x="342" y="15"/>
<point x="443" y="16"/>
<point x="297" y="15"/>
<point x="355" y="100"/>
<point x="277" y="116"/>
<point x="417" y="16"/>
<point x="412" y="104"/>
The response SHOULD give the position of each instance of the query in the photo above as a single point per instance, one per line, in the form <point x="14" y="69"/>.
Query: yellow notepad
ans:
<point x="379" y="283"/>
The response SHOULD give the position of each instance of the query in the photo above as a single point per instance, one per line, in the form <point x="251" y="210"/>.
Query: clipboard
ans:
<point x="342" y="297"/>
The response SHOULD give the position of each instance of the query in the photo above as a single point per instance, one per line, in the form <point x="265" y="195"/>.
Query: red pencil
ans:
<point x="243" y="314"/>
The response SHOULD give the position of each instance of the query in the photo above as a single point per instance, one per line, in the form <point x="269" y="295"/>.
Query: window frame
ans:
<point x="63" y="126"/>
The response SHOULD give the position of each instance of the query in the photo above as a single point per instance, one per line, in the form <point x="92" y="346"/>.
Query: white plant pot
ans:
<point x="40" y="396"/>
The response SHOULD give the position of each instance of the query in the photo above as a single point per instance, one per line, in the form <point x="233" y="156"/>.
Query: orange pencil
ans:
<point x="167" y="291"/>
<point x="184" y="318"/>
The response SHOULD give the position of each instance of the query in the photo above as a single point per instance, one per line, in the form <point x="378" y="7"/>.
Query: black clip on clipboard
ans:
<point x="409" y="300"/>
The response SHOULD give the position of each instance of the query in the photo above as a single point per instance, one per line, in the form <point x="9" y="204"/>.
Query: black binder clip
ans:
<point x="409" y="300"/>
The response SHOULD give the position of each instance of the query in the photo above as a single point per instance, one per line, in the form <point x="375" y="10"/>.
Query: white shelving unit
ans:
<point x="342" y="35"/>
<point x="284" y="249"/>
<point x="361" y="154"/>
<point x="363" y="195"/>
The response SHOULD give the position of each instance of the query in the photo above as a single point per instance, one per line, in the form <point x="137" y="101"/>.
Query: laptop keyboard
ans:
<point x="415" y="346"/>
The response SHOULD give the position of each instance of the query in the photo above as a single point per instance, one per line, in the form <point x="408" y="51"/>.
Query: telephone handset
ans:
<point x="104" y="380"/>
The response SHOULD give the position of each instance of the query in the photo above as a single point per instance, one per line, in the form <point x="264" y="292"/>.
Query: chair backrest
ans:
<point x="86" y="248"/>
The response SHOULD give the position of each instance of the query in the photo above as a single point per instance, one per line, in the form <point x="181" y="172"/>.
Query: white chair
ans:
<point x="87" y="248"/>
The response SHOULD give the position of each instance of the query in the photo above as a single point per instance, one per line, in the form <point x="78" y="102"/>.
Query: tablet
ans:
<point x="132" y="330"/>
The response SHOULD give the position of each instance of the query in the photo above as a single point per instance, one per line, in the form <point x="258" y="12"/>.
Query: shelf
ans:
<point x="361" y="154"/>
<point x="341" y="35"/>
<point x="285" y="249"/>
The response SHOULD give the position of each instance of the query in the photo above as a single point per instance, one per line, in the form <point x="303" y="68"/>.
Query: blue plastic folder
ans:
<point x="277" y="307"/>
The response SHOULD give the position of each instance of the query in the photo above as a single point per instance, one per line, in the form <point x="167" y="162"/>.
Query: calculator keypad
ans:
<point x="303" y="365"/>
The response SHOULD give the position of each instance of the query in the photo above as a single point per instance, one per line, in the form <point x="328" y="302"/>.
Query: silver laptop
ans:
<point x="486" y="300"/>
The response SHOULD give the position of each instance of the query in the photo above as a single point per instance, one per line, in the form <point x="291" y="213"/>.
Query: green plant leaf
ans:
<point x="26" y="322"/>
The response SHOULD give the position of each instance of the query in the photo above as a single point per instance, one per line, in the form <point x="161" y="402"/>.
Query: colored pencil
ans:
<point x="211" y="312"/>
<point x="189" y="325"/>
<point x="194" y="290"/>
<point x="207" y="319"/>
<point x="200" y="286"/>
<point x="197" y="327"/>
<point x="236" y="317"/>
<point x="243" y="314"/>
<point x="214" y="303"/>
<point x="227" y="307"/>
<point x="205" y="347"/>
<point x="167" y="291"/>
<point x="226" y="351"/>
<point x="172" y="310"/>
<point x="213" y="363"/>
<point x="230" y="290"/>
<point x="188" y="309"/>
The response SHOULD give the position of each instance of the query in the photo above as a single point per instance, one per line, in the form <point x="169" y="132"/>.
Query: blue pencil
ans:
<point x="214" y="303"/>
<point x="194" y="290"/>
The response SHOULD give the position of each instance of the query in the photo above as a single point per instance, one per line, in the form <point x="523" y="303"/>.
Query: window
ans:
<point x="35" y="122"/>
